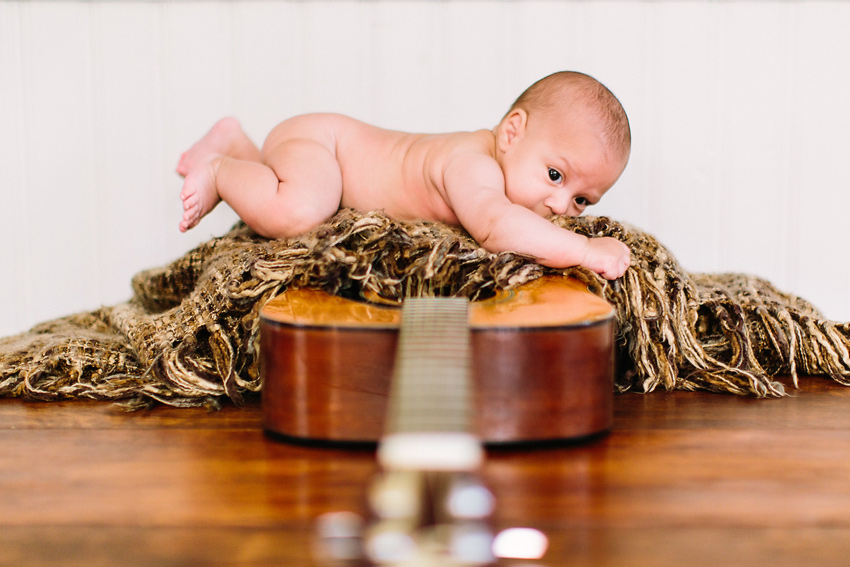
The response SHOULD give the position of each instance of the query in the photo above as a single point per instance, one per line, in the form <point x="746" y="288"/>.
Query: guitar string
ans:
<point x="431" y="386"/>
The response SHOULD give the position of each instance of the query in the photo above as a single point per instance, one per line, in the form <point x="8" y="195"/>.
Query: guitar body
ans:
<point x="542" y="364"/>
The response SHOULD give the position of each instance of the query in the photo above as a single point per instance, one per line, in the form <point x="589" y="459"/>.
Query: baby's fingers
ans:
<point x="617" y="264"/>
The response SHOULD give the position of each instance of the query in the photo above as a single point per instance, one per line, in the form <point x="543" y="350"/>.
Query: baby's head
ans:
<point x="563" y="144"/>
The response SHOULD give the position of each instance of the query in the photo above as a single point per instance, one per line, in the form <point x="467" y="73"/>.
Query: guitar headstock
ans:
<point x="423" y="518"/>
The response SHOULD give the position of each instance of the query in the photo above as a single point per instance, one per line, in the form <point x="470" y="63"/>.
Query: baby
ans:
<point x="560" y="147"/>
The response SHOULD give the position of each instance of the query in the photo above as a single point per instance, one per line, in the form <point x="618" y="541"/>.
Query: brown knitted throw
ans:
<point x="189" y="335"/>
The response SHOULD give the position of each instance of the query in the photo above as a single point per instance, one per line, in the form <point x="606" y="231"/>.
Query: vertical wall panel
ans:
<point x="58" y="141"/>
<point x="410" y="62"/>
<point x="14" y="245"/>
<point x="818" y="164"/>
<point x="681" y="116"/>
<point x="337" y="72"/>
<point x="752" y="189"/>
<point x="128" y="169"/>
<point x="476" y="42"/>
<point x="740" y="122"/>
<point x="270" y="62"/>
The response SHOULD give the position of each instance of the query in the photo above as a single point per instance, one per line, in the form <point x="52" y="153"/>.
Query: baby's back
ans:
<point x="395" y="171"/>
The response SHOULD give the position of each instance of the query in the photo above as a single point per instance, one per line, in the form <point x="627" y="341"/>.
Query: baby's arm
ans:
<point x="474" y="187"/>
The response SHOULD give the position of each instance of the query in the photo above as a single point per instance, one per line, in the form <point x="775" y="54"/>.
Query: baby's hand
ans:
<point x="607" y="256"/>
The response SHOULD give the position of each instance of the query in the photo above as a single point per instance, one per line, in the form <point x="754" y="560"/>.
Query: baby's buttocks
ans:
<point x="321" y="128"/>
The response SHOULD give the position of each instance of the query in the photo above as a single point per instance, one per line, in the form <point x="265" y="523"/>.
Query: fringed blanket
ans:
<point x="189" y="336"/>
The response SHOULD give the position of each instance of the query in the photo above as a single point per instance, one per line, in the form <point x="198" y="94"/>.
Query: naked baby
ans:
<point x="561" y="146"/>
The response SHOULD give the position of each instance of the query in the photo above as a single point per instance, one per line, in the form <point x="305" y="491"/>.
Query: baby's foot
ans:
<point x="199" y="194"/>
<point x="220" y="140"/>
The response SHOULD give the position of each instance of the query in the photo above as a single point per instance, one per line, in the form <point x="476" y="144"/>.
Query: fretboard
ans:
<point x="429" y="414"/>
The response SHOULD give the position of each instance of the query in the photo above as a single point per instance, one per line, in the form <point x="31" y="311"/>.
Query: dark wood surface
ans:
<point x="683" y="478"/>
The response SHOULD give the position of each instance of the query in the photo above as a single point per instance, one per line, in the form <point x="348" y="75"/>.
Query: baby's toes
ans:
<point x="190" y="219"/>
<point x="191" y="201"/>
<point x="191" y="214"/>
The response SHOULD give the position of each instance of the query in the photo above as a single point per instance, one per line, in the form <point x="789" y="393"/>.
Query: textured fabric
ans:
<point x="189" y="336"/>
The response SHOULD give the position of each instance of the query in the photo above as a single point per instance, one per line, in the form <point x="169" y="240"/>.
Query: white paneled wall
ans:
<point x="740" y="113"/>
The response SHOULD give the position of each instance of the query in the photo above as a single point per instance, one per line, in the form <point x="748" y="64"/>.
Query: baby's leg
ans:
<point x="199" y="194"/>
<point x="225" y="138"/>
<point x="304" y="189"/>
<point x="199" y="164"/>
<point x="299" y="188"/>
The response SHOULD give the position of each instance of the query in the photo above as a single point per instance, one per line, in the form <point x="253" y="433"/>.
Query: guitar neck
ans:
<point x="429" y="418"/>
<point x="428" y="495"/>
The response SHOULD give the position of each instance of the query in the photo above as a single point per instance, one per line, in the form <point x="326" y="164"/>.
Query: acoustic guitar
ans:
<point x="541" y="357"/>
<point x="328" y="375"/>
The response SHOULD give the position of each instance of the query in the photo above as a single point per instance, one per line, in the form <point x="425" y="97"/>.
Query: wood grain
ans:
<point x="683" y="478"/>
<point x="542" y="364"/>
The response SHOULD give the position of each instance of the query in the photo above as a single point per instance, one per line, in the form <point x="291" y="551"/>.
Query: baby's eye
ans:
<point x="555" y="175"/>
<point x="581" y="201"/>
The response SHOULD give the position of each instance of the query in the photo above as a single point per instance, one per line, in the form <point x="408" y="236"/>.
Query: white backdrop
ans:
<point x="740" y="114"/>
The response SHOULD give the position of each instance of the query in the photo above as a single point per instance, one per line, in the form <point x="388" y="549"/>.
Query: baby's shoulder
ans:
<point x="467" y="158"/>
<point x="481" y="141"/>
<point x="448" y="147"/>
<point x="470" y="148"/>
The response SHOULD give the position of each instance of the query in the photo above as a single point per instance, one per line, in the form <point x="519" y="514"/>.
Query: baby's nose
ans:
<point x="558" y="202"/>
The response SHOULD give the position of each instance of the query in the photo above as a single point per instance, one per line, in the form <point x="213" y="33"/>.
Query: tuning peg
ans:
<point x="468" y="499"/>
<point x="390" y="542"/>
<point x="471" y="544"/>
<point x="397" y="494"/>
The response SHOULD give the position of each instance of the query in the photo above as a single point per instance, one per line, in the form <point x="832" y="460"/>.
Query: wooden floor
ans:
<point x="684" y="479"/>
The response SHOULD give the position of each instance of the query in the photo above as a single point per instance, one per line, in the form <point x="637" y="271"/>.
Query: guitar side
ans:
<point x="542" y="364"/>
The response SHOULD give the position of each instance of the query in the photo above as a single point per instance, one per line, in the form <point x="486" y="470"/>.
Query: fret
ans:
<point x="431" y="378"/>
<point x="429" y="417"/>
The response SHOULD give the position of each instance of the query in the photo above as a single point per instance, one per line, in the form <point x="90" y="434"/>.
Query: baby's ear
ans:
<point x="512" y="128"/>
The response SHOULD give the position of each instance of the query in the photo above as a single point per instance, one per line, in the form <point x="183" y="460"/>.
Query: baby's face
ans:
<point x="560" y="164"/>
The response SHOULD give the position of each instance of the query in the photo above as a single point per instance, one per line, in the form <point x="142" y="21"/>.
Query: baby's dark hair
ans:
<point x="567" y="87"/>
